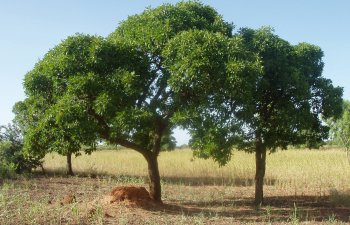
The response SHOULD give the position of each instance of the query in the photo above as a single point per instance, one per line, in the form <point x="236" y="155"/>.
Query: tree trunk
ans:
<point x="260" y="161"/>
<point x="69" y="165"/>
<point x="42" y="168"/>
<point x="154" y="177"/>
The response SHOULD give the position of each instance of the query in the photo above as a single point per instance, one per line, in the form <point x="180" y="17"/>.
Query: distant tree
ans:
<point x="340" y="129"/>
<point x="183" y="146"/>
<point x="11" y="150"/>
<point x="282" y="105"/>
<point x="168" y="142"/>
<point x="126" y="89"/>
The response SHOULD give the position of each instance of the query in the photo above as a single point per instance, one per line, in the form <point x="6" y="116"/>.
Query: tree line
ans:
<point x="183" y="66"/>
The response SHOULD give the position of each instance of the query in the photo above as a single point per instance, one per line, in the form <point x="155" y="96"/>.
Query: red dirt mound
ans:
<point x="132" y="194"/>
<point x="68" y="199"/>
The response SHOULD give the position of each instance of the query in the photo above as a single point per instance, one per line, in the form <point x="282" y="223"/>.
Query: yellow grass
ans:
<point x="298" y="172"/>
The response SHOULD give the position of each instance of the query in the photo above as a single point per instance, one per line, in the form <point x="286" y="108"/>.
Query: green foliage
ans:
<point x="12" y="157"/>
<point x="340" y="128"/>
<point x="121" y="89"/>
<point x="152" y="29"/>
<point x="280" y="105"/>
<point x="7" y="169"/>
<point x="51" y="110"/>
<point x="168" y="142"/>
<point x="292" y="93"/>
<point x="339" y="198"/>
<point x="213" y="73"/>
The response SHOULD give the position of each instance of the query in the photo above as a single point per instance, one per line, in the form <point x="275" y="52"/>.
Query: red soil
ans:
<point x="137" y="195"/>
<point x="68" y="199"/>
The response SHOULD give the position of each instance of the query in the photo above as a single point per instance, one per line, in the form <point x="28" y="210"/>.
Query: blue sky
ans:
<point x="30" y="28"/>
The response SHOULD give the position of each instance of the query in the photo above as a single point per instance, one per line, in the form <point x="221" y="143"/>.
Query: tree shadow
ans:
<point x="171" y="180"/>
<point x="216" y="181"/>
<point x="276" y="209"/>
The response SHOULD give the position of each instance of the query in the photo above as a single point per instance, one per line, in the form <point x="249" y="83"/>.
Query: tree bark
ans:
<point x="260" y="161"/>
<point x="42" y="168"/>
<point x="154" y="177"/>
<point x="152" y="160"/>
<point x="69" y="165"/>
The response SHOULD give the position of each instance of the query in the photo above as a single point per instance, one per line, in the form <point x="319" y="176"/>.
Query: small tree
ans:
<point x="11" y="150"/>
<point x="340" y="129"/>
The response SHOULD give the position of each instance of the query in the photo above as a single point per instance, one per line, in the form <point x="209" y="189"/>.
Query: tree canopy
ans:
<point x="126" y="89"/>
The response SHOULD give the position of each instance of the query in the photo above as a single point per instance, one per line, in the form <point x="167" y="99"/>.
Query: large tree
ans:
<point x="283" y="105"/>
<point x="124" y="89"/>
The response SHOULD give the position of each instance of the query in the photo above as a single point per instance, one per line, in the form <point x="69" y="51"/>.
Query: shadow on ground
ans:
<point x="276" y="209"/>
<point x="187" y="181"/>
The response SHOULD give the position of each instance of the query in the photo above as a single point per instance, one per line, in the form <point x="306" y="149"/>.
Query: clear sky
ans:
<point x="28" y="29"/>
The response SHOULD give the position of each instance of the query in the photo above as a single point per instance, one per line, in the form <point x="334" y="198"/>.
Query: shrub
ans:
<point x="340" y="198"/>
<point x="12" y="157"/>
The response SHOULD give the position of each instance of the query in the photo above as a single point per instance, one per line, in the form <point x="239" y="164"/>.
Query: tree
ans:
<point x="11" y="150"/>
<point x="44" y="114"/>
<point x="27" y="116"/>
<point x="340" y="129"/>
<point x="124" y="89"/>
<point x="283" y="105"/>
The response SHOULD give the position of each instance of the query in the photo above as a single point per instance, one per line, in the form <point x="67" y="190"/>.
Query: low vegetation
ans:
<point x="12" y="157"/>
<point x="306" y="187"/>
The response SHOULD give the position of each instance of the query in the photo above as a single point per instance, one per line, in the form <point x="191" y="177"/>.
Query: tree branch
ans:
<point x="158" y="66"/>
<point x="144" y="95"/>
<point x="105" y="134"/>
<point x="161" y="126"/>
<point x="128" y="144"/>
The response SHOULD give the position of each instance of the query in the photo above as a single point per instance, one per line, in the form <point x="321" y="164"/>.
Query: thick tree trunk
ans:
<point x="151" y="156"/>
<point x="69" y="165"/>
<point x="260" y="161"/>
<point x="154" y="177"/>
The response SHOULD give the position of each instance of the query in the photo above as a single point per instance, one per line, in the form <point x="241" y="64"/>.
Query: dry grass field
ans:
<point x="302" y="187"/>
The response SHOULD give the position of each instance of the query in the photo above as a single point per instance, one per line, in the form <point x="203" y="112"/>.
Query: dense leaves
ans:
<point x="281" y="104"/>
<point x="12" y="155"/>
<point x="126" y="89"/>
<point x="292" y="94"/>
<point x="216" y="74"/>
<point x="340" y="129"/>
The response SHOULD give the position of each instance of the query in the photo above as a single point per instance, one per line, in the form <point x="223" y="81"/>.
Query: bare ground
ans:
<point x="40" y="200"/>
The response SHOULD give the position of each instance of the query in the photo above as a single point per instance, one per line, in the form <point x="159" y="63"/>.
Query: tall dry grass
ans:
<point x="295" y="171"/>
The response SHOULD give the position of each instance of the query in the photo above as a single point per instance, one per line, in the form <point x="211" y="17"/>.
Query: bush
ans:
<point x="340" y="198"/>
<point x="7" y="170"/>
<point x="12" y="157"/>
